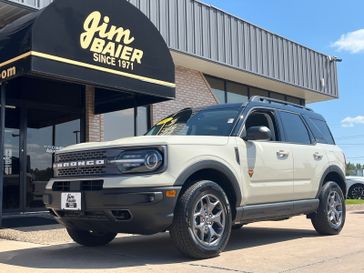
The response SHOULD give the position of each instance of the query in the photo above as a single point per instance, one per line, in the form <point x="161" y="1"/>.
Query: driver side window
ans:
<point x="263" y="118"/>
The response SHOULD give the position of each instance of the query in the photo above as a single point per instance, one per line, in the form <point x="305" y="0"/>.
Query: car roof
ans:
<point x="267" y="102"/>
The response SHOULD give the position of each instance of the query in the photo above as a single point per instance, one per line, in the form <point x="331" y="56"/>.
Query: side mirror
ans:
<point x="261" y="133"/>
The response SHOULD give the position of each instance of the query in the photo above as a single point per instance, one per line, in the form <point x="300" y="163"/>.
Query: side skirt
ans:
<point x="275" y="211"/>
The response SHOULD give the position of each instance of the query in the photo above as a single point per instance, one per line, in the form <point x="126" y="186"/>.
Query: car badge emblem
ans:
<point x="251" y="172"/>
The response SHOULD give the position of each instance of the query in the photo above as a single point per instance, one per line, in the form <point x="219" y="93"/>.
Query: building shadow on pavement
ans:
<point x="137" y="251"/>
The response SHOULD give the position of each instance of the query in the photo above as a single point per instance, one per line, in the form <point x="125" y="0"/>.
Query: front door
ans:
<point x="267" y="166"/>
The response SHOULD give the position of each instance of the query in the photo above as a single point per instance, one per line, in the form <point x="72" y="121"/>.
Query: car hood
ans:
<point x="142" y="141"/>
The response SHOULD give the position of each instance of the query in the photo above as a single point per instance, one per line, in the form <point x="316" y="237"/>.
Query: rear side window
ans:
<point x="321" y="131"/>
<point x="294" y="128"/>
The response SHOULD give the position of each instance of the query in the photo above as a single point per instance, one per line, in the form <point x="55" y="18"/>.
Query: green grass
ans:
<point x="354" y="202"/>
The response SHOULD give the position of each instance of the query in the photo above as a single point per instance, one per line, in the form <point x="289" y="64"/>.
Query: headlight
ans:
<point x="139" y="161"/>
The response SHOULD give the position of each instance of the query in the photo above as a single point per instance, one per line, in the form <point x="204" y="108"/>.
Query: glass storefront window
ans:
<point x="277" y="96"/>
<point x="118" y="124"/>
<point x="11" y="195"/>
<point x="122" y="123"/>
<point x="142" y="120"/>
<point x="236" y="93"/>
<point x="294" y="100"/>
<point x="258" y="92"/>
<point x="218" y="89"/>
<point x="68" y="133"/>
<point x="39" y="160"/>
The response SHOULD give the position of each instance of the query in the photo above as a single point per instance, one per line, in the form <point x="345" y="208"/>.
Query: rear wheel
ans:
<point x="202" y="221"/>
<point x="90" y="238"/>
<point x="330" y="217"/>
<point x="356" y="191"/>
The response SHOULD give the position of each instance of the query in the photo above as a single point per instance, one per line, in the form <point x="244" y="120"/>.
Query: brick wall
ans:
<point x="192" y="90"/>
<point x="94" y="123"/>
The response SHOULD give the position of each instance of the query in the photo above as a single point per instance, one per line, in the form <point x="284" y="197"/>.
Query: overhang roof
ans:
<point x="108" y="44"/>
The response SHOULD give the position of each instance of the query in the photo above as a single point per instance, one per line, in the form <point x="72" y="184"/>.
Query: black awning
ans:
<point x="109" y="44"/>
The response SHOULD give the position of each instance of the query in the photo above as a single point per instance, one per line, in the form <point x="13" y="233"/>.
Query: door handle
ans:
<point x="317" y="156"/>
<point x="282" y="154"/>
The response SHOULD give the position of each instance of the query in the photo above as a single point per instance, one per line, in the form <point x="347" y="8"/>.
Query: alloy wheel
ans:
<point x="209" y="220"/>
<point x="334" y="209"/>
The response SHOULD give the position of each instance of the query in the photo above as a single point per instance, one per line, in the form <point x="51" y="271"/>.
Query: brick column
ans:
<point x="94" y="123"/>
<point x="192" y="90"/>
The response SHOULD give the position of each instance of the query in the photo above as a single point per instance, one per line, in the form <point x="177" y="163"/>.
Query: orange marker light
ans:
<point x="171" y="193"/>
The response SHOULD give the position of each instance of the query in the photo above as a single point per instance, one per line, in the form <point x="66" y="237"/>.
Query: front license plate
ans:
<point x="71" y="201"/>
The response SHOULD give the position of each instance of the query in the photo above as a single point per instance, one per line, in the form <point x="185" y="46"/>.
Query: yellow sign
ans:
<point x="7" y="73"/>
<point x="164" y="121"/>
<point x="110" y="45"/>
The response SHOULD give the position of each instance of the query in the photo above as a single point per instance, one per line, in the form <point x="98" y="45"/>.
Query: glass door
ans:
<point x="12" y="185"/>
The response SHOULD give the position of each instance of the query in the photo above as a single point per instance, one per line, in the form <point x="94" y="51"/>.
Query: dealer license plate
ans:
<point x="71" y="201"/>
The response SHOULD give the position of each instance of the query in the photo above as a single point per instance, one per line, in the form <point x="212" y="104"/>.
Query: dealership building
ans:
<point x="61" y="86"/>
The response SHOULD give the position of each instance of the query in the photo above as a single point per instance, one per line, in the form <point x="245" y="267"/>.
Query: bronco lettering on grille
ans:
<point x="75" y="164"/>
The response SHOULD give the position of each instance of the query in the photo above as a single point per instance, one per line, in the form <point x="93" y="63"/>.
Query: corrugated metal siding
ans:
<point x="198" y="29"/>
<point x="35" y="4"/>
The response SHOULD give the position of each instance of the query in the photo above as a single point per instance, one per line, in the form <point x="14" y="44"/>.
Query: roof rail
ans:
<point x="270" y="100"/>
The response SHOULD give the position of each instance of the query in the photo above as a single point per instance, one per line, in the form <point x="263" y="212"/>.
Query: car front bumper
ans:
<point x="124" y="210"/>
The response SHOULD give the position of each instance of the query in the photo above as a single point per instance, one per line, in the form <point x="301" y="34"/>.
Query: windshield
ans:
<point x="206" y="122"/>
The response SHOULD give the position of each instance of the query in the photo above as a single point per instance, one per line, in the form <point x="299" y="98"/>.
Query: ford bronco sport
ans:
<point x="201" y="173"/>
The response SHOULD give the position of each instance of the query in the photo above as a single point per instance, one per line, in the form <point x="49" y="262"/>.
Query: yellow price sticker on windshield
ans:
<point x="164" y="121"/>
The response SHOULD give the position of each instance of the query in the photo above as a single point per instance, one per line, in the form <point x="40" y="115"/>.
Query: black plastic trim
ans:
<point x="332" y="169"/>
<point x="273" y="211"/>
<point x="214" y="165"/>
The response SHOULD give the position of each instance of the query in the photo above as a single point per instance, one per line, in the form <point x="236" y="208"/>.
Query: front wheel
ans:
<point x="90" y="238"/>
<point x="331" y="214"/>
<point x="202" y="221"/>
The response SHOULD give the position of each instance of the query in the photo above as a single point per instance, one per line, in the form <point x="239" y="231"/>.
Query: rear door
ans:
<point x="310" y="159"/>
<point x="267" y="166"/>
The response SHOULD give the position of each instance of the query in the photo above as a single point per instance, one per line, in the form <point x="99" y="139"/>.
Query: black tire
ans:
<point x="182" y="230"/>
<point x="321" y="219"/>
<point x="90" y="239"/>
<point x="356" y="191"/>
<point x="237" y="226"/>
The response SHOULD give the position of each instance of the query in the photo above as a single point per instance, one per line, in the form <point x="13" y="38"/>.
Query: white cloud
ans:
<point x="352" y="121"/>
<point x="352" y="42"/>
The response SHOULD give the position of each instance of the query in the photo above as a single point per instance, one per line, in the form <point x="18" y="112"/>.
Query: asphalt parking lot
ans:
<point x="286" y="246"/>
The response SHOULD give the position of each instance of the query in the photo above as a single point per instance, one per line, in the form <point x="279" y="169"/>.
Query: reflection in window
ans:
<point x="230" y="92"/>
<point x="119" y="124"/>
<point x="39" y="169"/>
<point x="142" y="120"/>
<point x="218" y="89"/>
<point x="236" y="93"/>
<point x="68" y="133"/>
<point x="277" y="96"/>
<point x="258" y="92"/>
<point x="122" y="123"/>
<point x="294" y="100"/>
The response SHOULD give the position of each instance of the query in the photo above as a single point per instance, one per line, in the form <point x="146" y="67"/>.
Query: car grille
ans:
<point x="81" y="171"/>
<point x="77" y="156"/>
<point x="86" y="185"/>
<point x="73" y="171"/>
<point x="61" y="186"/>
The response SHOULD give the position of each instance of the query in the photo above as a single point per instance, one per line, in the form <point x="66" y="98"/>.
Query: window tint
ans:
<point x="294" y="128"/>
<point x="321" y="131"/>
<point x="263" y="119"/>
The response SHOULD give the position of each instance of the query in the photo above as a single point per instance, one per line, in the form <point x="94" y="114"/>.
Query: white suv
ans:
<point x="201" y="172"/>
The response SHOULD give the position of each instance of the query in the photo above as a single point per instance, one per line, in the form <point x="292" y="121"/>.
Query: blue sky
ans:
<point x="318" y="25"/>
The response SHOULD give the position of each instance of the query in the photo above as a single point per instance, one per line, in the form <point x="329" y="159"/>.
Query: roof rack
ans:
<point x="270" y="100"/>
